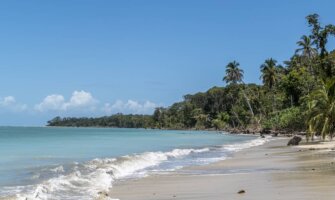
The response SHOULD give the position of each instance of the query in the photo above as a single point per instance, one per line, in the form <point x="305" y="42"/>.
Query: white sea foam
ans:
<point x="88" y="179"/>
<point x="99" y="174"/>
<point x="58" y="169"/>
<point x="245" y="145"/>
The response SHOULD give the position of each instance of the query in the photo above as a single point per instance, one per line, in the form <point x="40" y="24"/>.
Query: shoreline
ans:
<point x="269" y="171"/>
<point x="232" y="131"/>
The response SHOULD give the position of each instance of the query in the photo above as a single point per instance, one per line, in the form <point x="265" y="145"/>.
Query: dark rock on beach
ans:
<point x="265" y="131"/>
<point x="241" y="192"/>
<point x="294" y="141"/>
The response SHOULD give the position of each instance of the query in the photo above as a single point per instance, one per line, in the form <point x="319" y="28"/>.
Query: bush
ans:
<point x="290" y="118"/>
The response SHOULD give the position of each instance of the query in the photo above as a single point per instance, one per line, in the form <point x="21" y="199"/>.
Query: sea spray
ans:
<point x="99" y="174"/>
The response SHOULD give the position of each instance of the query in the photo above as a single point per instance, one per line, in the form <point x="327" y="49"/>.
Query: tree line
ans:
<point x="298" y="95"/>
<point x="118" y="120"/>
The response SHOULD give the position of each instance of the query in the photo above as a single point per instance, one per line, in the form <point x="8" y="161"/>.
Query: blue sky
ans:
<point x="93" y="58"/>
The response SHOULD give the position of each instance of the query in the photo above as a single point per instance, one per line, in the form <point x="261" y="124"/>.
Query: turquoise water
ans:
<point x="77" y="163"/>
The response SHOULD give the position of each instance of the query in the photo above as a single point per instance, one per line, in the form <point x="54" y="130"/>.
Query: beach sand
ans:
<point x="271" y="171"/>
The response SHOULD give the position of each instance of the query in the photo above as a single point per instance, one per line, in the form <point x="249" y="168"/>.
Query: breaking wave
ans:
<point x="86" y="180"/>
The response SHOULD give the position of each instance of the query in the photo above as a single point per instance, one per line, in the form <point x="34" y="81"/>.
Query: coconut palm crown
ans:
<point x="269" y="72"/>
<point x="306" y="48"/>
<point x="234" y="74"/>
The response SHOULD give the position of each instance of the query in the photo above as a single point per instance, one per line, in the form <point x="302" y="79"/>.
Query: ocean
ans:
<point x="76" y="163"/>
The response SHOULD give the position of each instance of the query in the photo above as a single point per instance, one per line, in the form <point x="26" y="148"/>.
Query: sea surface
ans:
<point x="76" y="163"/>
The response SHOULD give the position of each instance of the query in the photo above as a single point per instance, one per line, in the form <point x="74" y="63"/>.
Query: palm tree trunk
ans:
<point x="273" y="102"/>
<point x="249" y="105"/>
<point x="236" y="115"/>
<point x="323" y="132"/>
<point x="238" y="119"/>
<point x="309" y="132"/>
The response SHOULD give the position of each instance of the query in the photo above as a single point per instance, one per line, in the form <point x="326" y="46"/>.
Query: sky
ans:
<point x="96" y="58"/>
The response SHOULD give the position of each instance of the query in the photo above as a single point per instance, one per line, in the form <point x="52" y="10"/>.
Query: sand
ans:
<point x="271" y="171"/>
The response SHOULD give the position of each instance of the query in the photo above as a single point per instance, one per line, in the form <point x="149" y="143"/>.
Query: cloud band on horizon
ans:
<point x="80" y="102"/>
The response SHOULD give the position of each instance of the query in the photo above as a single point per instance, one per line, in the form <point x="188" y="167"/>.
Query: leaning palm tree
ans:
<point x="270" y="76"/>
<point x="311" y="121"/>
<point x="234" y="75"/>
<point x="322" y="114"/>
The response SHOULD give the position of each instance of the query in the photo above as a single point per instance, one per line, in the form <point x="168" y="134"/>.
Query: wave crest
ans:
<point x="86" y="180"/>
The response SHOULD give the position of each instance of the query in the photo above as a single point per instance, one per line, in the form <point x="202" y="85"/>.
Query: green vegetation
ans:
<point x="118" y="120"/>
<point x="296" y="96"/>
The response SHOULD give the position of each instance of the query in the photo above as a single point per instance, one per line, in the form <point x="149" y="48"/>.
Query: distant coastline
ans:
<point x="78" y="123"/>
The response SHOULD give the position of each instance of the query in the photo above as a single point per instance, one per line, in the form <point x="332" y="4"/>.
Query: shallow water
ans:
<point x="77" y="163"/>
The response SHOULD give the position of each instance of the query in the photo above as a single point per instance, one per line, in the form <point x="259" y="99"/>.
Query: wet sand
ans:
<point x="271" y="171"/>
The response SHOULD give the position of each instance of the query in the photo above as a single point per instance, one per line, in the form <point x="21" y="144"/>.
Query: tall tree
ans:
<point x="306" y="47"/>
<point x="269" y="73"/>
<point x="320" y="36"/>
<point x="234" y="75"/>
<point x="269" y="76"/>
<point x="308" y="53"/>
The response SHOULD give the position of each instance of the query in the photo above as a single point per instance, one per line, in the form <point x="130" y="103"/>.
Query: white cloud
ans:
<point x="51" y="102"/>
<point x="57" y="102"/>
<point x="130" y="106"/>
<point x="80" y="102"/>
<point x="9" y="103"/>
<point x="9" y="100"/>
<point x="80" y="99"/>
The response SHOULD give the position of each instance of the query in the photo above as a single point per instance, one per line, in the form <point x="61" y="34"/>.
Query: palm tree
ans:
<point x="234" y="74"/>
<point x="322" y="114"/>
<point x="306" y="47"/>
<point x="311" y="120"/>
<point x="269" y="73"/>
<point x="270" y="76"/>
<point x="307" y="51"/>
